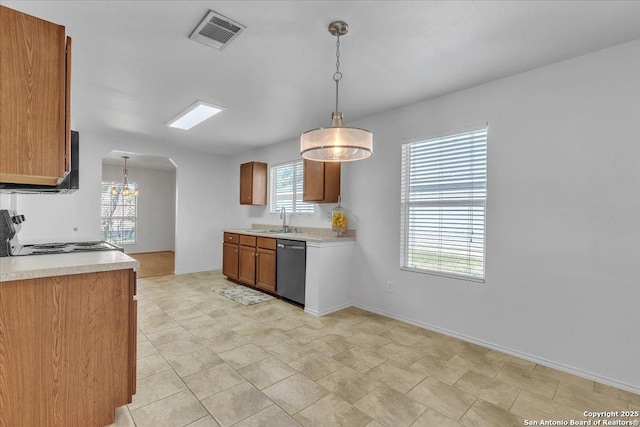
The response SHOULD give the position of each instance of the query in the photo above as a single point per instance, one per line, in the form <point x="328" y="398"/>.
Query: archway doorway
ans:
<point x="144" y="223"/>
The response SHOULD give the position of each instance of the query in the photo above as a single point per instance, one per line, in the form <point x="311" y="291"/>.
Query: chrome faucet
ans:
<point x="283" y="217"/>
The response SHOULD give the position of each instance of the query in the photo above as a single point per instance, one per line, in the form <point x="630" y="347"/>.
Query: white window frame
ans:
<point x="298" y="207"/>
<point x="132" y="199"/>
<point x="436" y="236"/>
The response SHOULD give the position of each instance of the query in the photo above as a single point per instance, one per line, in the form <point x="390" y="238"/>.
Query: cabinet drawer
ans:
<point x="247" y="240"/>
<point x="266" y="243"/>
<point x="230" y="238"/>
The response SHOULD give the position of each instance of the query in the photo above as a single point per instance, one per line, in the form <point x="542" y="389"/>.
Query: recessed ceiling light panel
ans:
<point x="195" y="114"/>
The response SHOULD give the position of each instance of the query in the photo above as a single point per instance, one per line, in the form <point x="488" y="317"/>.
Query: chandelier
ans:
<point x="126" y="191"/>
<point x="336" y="143"/>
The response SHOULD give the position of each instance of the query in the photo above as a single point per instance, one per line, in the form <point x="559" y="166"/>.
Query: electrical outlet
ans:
<point x="390" y="287"/>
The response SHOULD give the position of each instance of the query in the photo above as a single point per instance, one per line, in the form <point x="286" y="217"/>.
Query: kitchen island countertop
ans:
<point x="37" y="266"/>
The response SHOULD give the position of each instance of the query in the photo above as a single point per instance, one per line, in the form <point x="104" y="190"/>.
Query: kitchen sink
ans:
<point x="271" y="232"/>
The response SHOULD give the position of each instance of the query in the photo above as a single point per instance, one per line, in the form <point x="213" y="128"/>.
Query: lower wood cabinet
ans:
<point x="230" y="255"/>
<point x="266" y="264"/>
<point x="247" y="264"/>
<point x="67" y="349"/>
<point x="230" y="260"/>
<point x="250" y="260"/>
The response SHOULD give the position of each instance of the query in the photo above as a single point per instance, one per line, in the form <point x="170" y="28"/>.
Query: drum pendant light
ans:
<point x="336" y="143"/>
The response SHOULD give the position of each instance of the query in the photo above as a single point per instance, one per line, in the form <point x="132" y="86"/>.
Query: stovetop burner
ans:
<point x="63" y="248"/>
<point x="49" y="246"/>
<point x="87" y="243"/>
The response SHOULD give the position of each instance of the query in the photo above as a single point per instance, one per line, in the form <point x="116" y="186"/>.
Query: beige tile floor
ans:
<point x="204" y="360"/>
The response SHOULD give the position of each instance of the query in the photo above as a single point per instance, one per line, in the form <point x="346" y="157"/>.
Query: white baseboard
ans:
<point x="327" y="311"/>
<point x="177" y="272"/>
<point x="529" y="357"/>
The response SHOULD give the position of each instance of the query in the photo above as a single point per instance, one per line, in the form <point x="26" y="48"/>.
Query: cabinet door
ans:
<point x="331" y="182"/>
<point x="259" y="185"/>
<point x="34" y="86"/>
<point x="266" y="270"/>
<point x="246" y="183"/>
<point x="247" y="265"/>
<point x="133" y="335"/>
<point x="313" y="186"/>
<point x="321" y="182"/>
<point x="253" y="183"/>
<point x="230" y="260"/>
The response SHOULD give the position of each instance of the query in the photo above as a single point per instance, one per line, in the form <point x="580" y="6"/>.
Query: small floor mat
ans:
<point x="244" y="295"/>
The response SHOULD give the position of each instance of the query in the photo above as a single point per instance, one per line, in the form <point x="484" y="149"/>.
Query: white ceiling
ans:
<point x="136" y="160"/>
<point x="134" y="67"/>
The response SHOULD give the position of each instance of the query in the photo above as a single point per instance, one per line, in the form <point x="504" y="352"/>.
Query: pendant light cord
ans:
<point x="337" y="75"/>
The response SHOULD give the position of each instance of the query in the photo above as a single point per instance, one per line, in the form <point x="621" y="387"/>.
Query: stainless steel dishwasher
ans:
<point x="291" y="267"/>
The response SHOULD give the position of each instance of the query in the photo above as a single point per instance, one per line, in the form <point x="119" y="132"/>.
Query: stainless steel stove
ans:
<point x="10" y="225"/>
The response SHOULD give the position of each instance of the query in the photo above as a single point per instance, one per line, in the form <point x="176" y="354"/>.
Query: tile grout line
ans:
<point x="514" y="400"/>
<point x="468" y="409"/>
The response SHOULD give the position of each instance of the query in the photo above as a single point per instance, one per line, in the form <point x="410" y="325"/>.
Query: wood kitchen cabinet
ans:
<point x="253" y="183"/>
<point x="230" y="255"/>
<point x="266" y="264"/>
<point x="321" y="182"/>
<point x="247" y="260"/>
<point x="250" y="260"/>
<point x="35" y="132"/>
<point x="67" y="348"/>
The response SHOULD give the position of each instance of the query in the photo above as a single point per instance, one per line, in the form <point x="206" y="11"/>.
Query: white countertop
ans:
<point x="36" y="266"/>
<point x="306" y="237"/>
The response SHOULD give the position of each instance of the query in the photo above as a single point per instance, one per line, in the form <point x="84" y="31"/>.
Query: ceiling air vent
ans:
<point x="216" y="30"/>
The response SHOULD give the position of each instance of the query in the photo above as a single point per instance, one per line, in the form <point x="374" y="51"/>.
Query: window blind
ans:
<point x="118" y="215"/>
<point x="443" y="202"/>
<point x="286" y="187"/>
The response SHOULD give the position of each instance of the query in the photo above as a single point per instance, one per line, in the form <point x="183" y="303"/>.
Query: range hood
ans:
<point x="70" y="184"/>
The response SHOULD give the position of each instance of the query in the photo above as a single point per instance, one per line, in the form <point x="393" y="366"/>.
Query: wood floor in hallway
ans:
<point x="153" y="264"/>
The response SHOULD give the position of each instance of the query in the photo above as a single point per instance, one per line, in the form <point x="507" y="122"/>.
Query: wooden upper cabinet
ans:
<point x="253" y="183"/>
<point x="321" y="182"/>
<point x="35" y="132"/>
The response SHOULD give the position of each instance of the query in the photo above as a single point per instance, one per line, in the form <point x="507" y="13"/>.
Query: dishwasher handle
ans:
<point x="300" y="248"/>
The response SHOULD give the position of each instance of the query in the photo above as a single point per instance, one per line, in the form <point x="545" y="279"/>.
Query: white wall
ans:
<point x="563" y="216"/>
<point x="202" y="202"/>
<point x="156" y="207"/>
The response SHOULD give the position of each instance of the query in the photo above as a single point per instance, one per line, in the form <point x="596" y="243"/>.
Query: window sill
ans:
<point x="442" y="274"/>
